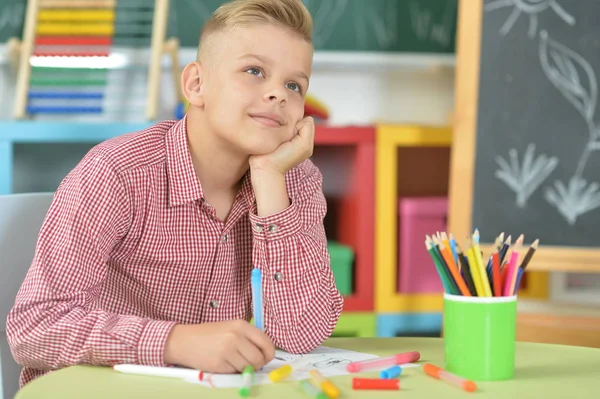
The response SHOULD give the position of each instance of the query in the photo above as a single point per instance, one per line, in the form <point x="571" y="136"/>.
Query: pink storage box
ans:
<point x="419" y="216"/>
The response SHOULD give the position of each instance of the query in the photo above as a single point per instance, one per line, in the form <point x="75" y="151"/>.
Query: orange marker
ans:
<point x="442" y="374"/>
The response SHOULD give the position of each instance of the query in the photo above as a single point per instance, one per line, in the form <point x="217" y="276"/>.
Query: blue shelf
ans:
<point x="64" y="132"/>
<point x="18" y="132"/>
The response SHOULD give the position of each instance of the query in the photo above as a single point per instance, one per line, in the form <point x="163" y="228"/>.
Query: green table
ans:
<point x="542" y="371"/>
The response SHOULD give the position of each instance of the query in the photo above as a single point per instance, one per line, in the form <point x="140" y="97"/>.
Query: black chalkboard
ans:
<point x="537" y="168"/>
<point x="422" y="26"/>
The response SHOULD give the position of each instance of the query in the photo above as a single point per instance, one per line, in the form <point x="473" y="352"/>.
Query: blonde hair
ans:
<point x="290" y="14"/>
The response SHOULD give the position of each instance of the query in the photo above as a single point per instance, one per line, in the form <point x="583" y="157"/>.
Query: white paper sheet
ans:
<point x="329" y="361"/>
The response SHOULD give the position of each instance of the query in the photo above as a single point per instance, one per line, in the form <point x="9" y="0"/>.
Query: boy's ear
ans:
<point x="191" y="83"/>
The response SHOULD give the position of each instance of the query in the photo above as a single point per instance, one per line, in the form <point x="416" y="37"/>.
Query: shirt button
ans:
<point x="258" y="227"/>
<point x="278" y="276"/>
<point x="273" y="228"/>
<point x="214" y="304"/>
<point x="224" y="238"/>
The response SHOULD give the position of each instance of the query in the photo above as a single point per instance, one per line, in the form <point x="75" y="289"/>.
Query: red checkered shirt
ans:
<point x="129" y="247"/>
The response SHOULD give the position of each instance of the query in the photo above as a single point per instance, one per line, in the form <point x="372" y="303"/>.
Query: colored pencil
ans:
<point x="453" y="246"/>
<point x="505" y="249"/>
<point x="511" y="278"/>
<point x="453" y="267"/>
<point x="529" y="254"/>
<point x="474" y="269"/>
<point x="463" y="272"/>
<point x="485" y="282"/>
<point x="496" y="278"/>
<point x="465" y="269"/>
<point x="436" y="246"/>
<point x="488" y="269"/>
<point x="438" y="265"/>
<point x="519" y="276"/>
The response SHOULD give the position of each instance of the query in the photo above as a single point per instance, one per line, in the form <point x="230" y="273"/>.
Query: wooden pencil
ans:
<point x="465" y="269"/>
<point x="453" y="267"/>
<point x="437" y="263"/>
<point x="513" y="271"/>
<point x="530" y="254"/>
<point x="436" y="247"/>
<point x="505" y="248"/>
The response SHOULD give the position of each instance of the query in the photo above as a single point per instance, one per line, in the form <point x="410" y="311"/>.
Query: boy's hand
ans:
<point x="222" y="347"/>
<point x="290" y="153"/>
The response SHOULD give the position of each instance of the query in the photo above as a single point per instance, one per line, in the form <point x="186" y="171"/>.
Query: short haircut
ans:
<point x="290" y="14"/>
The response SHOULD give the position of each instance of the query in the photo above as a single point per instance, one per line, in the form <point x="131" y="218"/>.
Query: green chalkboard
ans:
<point x="421" y="26"/>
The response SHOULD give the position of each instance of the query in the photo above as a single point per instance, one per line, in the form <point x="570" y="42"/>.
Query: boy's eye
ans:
<point x="254" y="71"/>
<point x="294" y="86"/>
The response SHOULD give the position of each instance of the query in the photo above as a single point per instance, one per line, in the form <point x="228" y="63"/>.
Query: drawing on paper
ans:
<point x="530" y="7"/>
<point x="325" y="19"/>
<point x="330" y="362"/>
<point x="526" y="178"/>
<point x="576" y="80"/>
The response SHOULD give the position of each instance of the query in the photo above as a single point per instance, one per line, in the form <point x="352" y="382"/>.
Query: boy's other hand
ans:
<point x="221" y="347"/>
<point x="291" y="153"/>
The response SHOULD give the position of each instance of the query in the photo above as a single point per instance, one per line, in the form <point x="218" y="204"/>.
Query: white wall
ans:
<point x="358" y="89"/>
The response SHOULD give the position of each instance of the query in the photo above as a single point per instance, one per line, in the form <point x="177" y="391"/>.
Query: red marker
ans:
<point x="401" y="358"/>
<point x="375" y="383"/>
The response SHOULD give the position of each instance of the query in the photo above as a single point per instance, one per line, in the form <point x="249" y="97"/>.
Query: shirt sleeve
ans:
<point x="57" y="320"/>
<point x="301" y="301"/>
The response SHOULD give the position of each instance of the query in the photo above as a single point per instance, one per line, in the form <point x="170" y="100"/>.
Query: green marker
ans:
<point x="247" y="376"/>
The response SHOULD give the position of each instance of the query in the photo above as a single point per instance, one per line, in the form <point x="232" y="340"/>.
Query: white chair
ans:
<point x="21" y="217"/>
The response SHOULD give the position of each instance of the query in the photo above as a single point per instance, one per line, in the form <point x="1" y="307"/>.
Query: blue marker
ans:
<point x="257" y="302"/>
<point x="390" y="373"/>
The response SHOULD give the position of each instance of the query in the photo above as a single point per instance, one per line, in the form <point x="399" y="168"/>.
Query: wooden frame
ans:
<point x="462" y="165"/>
<point x="25" y="49"/>
<point x="159" y="32"/>
<point x="389" y="138"/>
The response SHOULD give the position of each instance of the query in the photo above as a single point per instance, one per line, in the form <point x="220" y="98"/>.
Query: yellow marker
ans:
<point x="106" y="29"/>
<point x="280" y="373"/>
<point x="326" y="386"/>
<point x="76" y="15"/>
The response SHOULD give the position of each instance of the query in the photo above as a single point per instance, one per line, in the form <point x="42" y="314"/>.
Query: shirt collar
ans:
<point x="184" y="185"/>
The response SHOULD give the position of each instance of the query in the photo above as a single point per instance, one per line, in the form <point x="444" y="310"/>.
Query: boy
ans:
<point x="146" y="252"/>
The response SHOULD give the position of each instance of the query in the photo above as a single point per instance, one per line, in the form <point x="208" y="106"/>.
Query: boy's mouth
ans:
<point x="268" y="119"/>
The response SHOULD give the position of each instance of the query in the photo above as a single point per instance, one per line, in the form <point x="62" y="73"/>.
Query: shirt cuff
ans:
<point x="277" y="226"/>
<point x="152" y="343"/>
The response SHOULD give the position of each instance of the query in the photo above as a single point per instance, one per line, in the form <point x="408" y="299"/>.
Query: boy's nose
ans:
<point x="276" y="94"/>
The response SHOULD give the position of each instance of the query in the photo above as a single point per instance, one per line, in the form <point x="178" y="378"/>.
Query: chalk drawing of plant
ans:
<point x="576" y="80"/>
<point x="526" y="178"/>
<point x="575" y="199"/>
<point x="531" y="7"/>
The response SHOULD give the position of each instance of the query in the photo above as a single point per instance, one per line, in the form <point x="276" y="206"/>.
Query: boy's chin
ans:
<point x="260" y="148"/>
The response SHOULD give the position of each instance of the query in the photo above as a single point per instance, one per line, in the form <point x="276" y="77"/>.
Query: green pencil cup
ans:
<point x="479" y="336"/>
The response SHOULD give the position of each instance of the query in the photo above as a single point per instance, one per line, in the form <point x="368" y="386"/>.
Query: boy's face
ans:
<point x="253" y="91"/>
